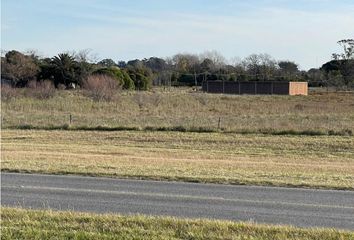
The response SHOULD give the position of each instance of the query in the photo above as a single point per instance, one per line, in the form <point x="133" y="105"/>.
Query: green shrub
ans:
<point x="121" y="76"/>
<point x="142" y="77"/>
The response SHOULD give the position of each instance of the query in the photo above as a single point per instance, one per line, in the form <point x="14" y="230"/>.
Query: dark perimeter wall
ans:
<point x="267" y="88"/>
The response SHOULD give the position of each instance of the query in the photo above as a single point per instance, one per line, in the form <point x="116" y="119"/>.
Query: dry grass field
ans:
<point x="301" y="161"/>
<point x="31" y="224"/>
<point x="318" y="112"/>
<point x="321" y="158"/>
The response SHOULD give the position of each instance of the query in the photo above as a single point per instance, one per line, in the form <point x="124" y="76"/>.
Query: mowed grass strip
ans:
<point x="298" y="161"/>
<point x="323" y="113"/>
<point x="36" y="224"/>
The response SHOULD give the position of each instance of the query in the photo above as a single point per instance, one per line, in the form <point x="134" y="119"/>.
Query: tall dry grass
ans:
<point x="101" y="87"/>
<point x="35" y="89"/>
<point x="8" y="92"/>
<point x="40" y="89"/>
<point x="187" y="109"/>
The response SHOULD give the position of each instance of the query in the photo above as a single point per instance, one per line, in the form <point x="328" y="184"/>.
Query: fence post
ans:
<point x="70" y="119"/>
<point x="219" y="123"/>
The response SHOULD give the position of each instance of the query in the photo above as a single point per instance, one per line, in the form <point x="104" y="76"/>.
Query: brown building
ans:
<point x="256" y="88"/>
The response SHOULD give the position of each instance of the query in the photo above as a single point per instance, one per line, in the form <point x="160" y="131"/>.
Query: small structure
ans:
<point x="256" y="88"/>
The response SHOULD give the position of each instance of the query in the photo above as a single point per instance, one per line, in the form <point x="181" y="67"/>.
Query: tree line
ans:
<point x="71" y="70"/>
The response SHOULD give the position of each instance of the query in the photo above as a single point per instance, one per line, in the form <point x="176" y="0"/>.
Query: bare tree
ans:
<point x="85" y="55"/>
<point x="217" y="58"/>
<point x="260" y="66"/>
<point x="252" y="64"/>
<point x="268" y="66"/>
<point x="185" y="62"/>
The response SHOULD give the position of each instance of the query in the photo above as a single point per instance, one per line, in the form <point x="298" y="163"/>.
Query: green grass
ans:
<point x="35" y="224"/>
<point x="183" y="109"/>
<point x="227" y="158"/>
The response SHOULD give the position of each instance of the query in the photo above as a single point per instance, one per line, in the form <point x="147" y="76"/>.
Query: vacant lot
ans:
<point x="321" y="112"/>
<point x="310" y="161"/>
<point x="30" y="224"/>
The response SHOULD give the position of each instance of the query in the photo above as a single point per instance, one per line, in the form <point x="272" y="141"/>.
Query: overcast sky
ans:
<point x="304" y="31"/>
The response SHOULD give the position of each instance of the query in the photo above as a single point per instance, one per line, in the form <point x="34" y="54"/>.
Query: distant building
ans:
<point x="256" y="88"/>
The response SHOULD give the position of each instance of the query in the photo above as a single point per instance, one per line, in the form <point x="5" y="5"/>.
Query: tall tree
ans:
<point x="207" y="65"/>
<point x="217" y="59"/>
<point x="186" y="63"/>
<point x="348" y="50"/>
<point x="18" y="68"/>
<point x="65" y="69"/>
<point x="267" y="66"/>
<point x="156" y="64"/>
<point x="288" y="70"/>
<point x="107" y="62"/>
<point x="252" y="65"/>
<point x="288" y="67"/>
<point x="344" y="62"/>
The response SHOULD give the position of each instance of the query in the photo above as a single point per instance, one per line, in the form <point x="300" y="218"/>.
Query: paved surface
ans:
<point x="300" y="207"/>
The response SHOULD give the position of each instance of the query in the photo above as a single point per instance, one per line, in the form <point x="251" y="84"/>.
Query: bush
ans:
<point x="41" y="90"/>
<point x="141" y="81"/>
<point x="8" y="92"/>
<point x="101" y="87"/>
<point x="141" y="76"/>
<point x="121" y="76"/>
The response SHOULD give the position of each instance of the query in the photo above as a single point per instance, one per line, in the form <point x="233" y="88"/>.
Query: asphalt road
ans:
<point x="299" y="207"/>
